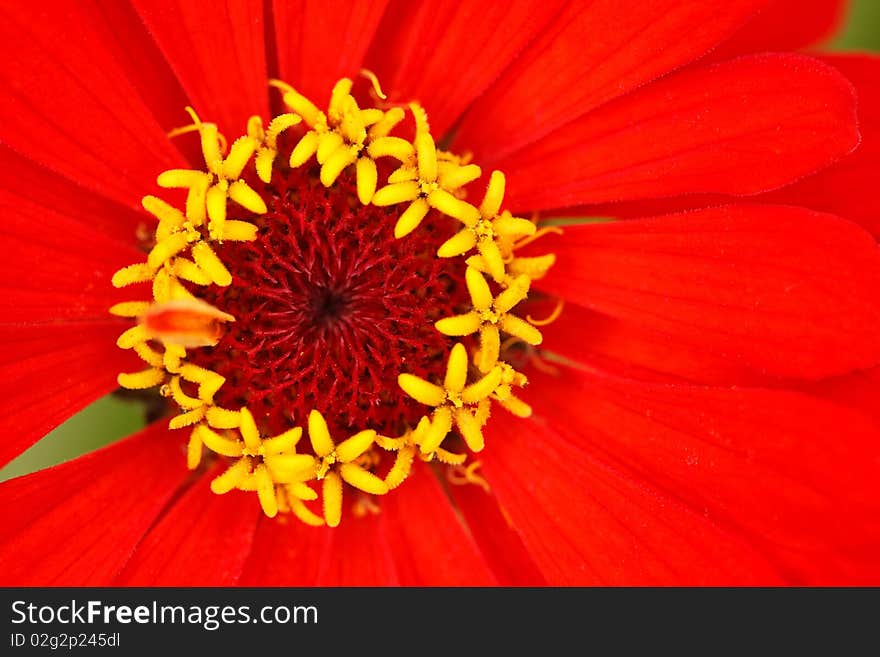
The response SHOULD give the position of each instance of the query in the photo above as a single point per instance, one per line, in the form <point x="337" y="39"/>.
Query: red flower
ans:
<point x="708" y="415"/>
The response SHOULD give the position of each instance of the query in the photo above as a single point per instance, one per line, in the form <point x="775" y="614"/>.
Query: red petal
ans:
<point x="793" y="475"/>
<point x="70" y="105"/>
<point x="786" y="25"/>
<point x="593" y="52"/>
<point x="446" y="54"/>
<point x="218" y="52"/>
<point x="62" y="245"/>
<point x="37" y="187"/>
<point x="637" y="352"/>
<point x="321" y="41"/>
<point x="51" y="371"/>
<point x="858" y="390"/>
<point x="588" y="520"/>
<point x="431" y="546"/>
<point x="76" y="524"/>
<point x="849" y="187"/>
<point x="740" y="127"/>
<point x="416" y="540"/>
<point x="777" y="289"/>
<point x="498" y="539"/>
<point x="287" y="553"/>
<point x="202" y="540"/>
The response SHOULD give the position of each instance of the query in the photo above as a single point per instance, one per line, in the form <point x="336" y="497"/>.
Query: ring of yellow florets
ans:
<point x="175" y="320"/>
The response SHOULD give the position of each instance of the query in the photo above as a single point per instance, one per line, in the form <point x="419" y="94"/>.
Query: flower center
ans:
<point x="294" y="291"/>
<point x="328" y="305"/>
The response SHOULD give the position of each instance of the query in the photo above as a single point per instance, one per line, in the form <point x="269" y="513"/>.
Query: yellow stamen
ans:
<point x="367" y="73"/>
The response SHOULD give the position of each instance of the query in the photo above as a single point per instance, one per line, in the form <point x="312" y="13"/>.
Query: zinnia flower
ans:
<point x="390" y="344"/>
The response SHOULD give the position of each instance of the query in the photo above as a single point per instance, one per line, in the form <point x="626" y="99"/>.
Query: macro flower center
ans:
<point x="328" y="277"/>
<point x="328" y="304"/>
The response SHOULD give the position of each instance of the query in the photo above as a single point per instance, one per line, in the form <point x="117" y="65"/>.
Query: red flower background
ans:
<point x="718" y="422"/>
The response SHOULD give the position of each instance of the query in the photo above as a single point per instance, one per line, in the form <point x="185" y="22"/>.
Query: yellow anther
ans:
<point x="141" y="380"/>
<point x="470" y="429"/>
<point x="241" y="193"/>
<point x="520" y="328"/>
<point x="449" y="205"/>
<point x="494" y="196"/>
<point x="215" y="202"/>
<point x="194" y="450"/>
<point x="483" y="388"/>
<point x="132" y="336"/>
<point x="208" y="262"/>
<point x="441" y="425"/>
<point x="302" y="106"/>
<point x="336" y="163"/>
<point x="129" y="308"/>
<point x="403" y="174"/>
<point x="453" y="177"/>
<point x="149" y="355"/>
<point x="137" y="273"/>
<point x="209" y="382"/>
<point x="356" y="476"/>
<point x="534" y="267"/>
<point x="449" y="458"/>
<point x="396" y="193"/>
<point x="181" y="178"/>
<point x="422" y="391"/>
<point x="332" y="498"/>
<point x="338" y="100"/>
<point x="401" y="468"/>
<point x="516" y="292"/>
<point x="490" y="347"/>
<point x="163" y="211"/>
<point x="456" y="370"/>
<point x="266" y="155"/>
<point x="304" y="149"/>
<point x="395" y="147"/>
<point x="223" y="418"/>
<point x="196" y="200"/>
<point x="187" y="419"/>
<point x="239" y="155"/>
<point x="266" y="491"/>
<point x="231" y="478"/>
<point x="387" y="123"/>
<point x="367" y="179"/>
<point x="319" y="434"/>
<point x="411" y="217"/>
<point x="478" y="289"/>
<point x="217" y="443"/>
<point x="181" y="398"/>
<point x="278" y="125"/>
<point x="301" y="491"/>
<point x="249" y="432"/>
<point x="350" y="449"/>
<point x="167" y="249"/>
<point x="264" y="160"/>
<point x="189" y="271"/>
